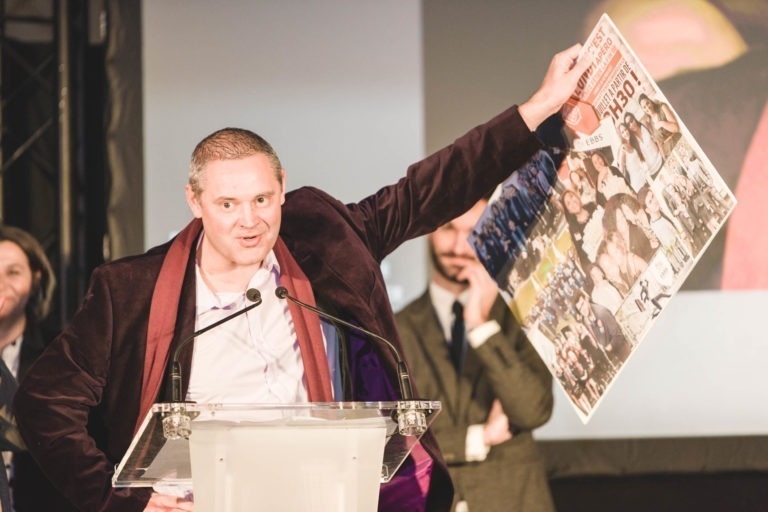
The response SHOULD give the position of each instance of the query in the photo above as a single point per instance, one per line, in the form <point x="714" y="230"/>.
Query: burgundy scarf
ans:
<point x="165" y="307"/>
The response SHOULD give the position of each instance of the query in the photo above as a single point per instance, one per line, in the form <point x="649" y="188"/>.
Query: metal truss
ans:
<point x="42" y="53"/>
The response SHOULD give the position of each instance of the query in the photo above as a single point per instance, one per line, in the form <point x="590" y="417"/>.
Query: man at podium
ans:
<point x="80" y="404"/>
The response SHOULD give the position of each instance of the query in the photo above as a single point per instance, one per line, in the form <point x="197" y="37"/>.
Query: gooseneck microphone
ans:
<point x="404" y="379"/>
<point x="411" y="419"/>
<point x="177" y="423"/>
<point x="252" y="294"/>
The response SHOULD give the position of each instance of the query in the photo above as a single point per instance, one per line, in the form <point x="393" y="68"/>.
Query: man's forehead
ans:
<point x="251" y="166"/>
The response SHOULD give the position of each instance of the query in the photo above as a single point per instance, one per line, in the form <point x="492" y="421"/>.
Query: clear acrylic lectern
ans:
<point x="291" y="457"/>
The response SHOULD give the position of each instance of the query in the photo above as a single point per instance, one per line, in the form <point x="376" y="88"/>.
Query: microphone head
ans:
<point x="281" y="292"/>
<point x="253" y="295"/>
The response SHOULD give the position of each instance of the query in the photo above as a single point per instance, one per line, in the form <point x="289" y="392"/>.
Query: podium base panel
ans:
<point x="297" y="469"/>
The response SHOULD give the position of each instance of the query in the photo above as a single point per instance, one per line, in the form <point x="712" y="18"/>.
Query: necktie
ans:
<point x="457" y="336"/>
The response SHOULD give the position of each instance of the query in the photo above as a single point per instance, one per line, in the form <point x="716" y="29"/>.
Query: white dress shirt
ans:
<point x="12" y="356"/>
<point x="255" y="357"/>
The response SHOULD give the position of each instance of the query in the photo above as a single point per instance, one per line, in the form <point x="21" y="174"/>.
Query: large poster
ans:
<point x="589" y="242"/>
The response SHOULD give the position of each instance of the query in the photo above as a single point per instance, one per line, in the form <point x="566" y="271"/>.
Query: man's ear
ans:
<point x="193" y="201"/>
<point x="282" y="191"/>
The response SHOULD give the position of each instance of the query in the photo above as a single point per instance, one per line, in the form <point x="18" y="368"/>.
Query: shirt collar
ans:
<point x="11" y="355"/>
<point x="442" y="301"/>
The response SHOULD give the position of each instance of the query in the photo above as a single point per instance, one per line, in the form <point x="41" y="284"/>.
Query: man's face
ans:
<point x="240" y="205"/>
<point x="450" y="250"/>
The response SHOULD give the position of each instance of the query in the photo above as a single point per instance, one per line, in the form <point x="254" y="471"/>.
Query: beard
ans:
<point x="445" y="271"/>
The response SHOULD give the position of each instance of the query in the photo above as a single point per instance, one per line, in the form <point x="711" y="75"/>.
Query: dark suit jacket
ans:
<point x="32" y="491"/>
<point x="506" y="367"/>
<point x="79" y="403"/>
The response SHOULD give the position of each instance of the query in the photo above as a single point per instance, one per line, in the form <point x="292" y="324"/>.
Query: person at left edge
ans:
<point x="27" y="283"/>
<point x="80" y="403"/>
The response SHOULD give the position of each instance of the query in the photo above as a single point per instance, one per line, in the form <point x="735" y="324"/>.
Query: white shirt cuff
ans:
<point x="476" y="449"/>
<point x="480" y="334"/>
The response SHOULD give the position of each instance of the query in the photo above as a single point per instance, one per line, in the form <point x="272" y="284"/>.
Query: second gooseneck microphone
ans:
<point x="403" y="377"/>
<point x="410" y="415"/>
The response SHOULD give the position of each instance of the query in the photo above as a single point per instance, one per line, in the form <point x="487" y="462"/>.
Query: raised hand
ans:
<point x="482" y="294"/>
<point x="496" y="429"/>
<point x="558" y="85"/>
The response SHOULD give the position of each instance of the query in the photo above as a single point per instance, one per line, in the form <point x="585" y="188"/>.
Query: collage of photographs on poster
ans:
<point x="589" y="251"/>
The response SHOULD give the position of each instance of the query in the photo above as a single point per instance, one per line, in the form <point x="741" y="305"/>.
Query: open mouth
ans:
<point x="250" y="241"/>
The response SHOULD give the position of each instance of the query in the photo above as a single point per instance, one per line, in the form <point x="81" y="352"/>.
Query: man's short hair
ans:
<point x="229" y="144"/>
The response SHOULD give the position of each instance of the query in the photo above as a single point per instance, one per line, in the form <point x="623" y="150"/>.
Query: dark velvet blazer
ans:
<point x="78" y="406"/>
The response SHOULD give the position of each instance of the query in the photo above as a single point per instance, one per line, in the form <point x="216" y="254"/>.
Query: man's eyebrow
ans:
<point x="268" y="193"/>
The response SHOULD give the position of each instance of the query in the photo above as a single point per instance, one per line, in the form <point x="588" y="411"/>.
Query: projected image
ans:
<point x="720" y="90"/>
